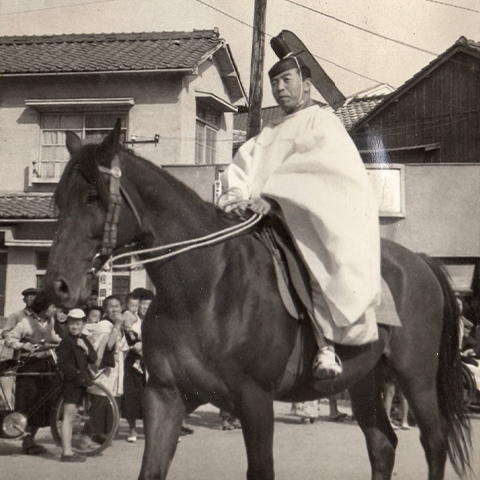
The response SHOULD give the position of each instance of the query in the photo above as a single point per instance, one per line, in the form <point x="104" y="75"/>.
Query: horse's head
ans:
<point x="89" y="213"/>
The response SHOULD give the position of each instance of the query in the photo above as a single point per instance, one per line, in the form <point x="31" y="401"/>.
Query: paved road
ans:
<point x="322" y="450"/>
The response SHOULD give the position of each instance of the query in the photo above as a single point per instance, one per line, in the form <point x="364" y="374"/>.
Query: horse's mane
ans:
<point x="87" y="160"/>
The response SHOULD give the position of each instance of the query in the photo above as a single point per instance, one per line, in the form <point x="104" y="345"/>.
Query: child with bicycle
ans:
<point x="75" y="354"/>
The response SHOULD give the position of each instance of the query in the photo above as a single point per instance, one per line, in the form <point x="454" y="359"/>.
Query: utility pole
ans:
<point x="256" y="69"/>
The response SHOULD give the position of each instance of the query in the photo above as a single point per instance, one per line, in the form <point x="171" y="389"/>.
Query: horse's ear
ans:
<point x="73" y="143"/>
<point x="112" y="140"/>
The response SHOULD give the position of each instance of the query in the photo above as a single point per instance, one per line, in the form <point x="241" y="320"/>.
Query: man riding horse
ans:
<point x="306" y="169"/>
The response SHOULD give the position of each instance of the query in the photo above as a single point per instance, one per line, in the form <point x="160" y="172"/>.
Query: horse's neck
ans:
<point x="174" y="212"/>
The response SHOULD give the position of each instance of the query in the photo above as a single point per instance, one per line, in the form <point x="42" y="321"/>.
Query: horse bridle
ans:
<point x="110" y="229"/>
<point x="115" y="193"/>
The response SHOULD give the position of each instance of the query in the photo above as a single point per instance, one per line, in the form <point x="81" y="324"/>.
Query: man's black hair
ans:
<point x="41" y="303"/>
<point x="112" y="297"/>
<point x="147" y="295"/>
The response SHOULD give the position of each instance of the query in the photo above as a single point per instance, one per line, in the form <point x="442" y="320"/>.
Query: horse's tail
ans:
<point x="449" y="377"/>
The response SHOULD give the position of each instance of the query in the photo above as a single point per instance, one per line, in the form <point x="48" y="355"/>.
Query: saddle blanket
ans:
<point x="386" y="312"/>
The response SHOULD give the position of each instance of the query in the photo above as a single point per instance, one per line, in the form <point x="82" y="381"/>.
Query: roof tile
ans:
<point x="105" y="52"/>
<point x="27" y="206"/>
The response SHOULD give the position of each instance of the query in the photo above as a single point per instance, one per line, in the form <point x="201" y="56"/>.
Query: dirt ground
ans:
<point x="334" y="451"/>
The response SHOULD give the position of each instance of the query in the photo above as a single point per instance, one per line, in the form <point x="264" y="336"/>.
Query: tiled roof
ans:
<point x="354" y="110"/>
<point x="471" y="44"/>
<point x="106" y="52"/>
<point x="27" y="206"/>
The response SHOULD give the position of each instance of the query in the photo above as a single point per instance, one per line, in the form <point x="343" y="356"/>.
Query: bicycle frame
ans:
<point x="51" y="393"/>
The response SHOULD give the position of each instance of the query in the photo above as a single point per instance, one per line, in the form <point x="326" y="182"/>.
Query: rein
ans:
<point x="109" y="239"/>
<point x="191" y="244"/>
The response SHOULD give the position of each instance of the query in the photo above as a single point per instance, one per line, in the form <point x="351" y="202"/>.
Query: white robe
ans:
<point x="309" y="165"/>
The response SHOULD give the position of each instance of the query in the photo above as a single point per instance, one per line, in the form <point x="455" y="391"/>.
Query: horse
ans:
<point x="218" y="332"/>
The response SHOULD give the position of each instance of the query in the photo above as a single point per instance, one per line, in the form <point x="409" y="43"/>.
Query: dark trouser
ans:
<point x="30" y="391"/>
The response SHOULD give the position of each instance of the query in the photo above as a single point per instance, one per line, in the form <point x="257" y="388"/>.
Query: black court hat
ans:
<point x="294" y="54"/>
<point x="29" y="291"/>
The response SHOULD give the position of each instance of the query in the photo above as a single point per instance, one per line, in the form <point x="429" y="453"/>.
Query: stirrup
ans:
<point x="327" y="364"/>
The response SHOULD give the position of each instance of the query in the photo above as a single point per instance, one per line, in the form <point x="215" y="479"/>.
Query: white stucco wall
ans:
<point x="164" y="105"/>
<point x="442" y="204"/>
<point x="21" y="274"/>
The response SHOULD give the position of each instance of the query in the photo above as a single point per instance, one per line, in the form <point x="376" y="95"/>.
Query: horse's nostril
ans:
<point x="61" y="288"/>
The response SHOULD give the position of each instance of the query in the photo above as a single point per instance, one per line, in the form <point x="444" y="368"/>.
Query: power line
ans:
<point x="363" y="29"/>
<point x="55" y="8"/>
<point x="228" y="15"/>
<point x="454" y="6"/>
<point x="271" y="36"/>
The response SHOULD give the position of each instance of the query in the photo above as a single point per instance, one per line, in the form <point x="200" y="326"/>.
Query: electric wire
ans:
<point x="271" y="36"/>
<point x="366" y="30"/>
<point x="454" y="6"/>
<point x="56" y="7"/>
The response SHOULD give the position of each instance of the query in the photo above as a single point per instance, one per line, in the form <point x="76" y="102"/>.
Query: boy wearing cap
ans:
<point x="306" y="169"/>
<point x="75" y="353"/>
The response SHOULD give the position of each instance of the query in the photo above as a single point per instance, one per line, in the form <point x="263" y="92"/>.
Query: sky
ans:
<point x="360" y="43"/>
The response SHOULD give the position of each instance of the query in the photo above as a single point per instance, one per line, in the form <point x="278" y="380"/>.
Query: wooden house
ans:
<point x="432" y="118"/>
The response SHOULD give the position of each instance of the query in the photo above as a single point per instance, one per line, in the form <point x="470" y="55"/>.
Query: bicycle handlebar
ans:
<point x="43" y="347"/>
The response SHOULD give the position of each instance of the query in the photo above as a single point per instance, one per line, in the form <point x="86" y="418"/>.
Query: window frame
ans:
<point x="37" y="168"/>
<point x="206" y="150"/>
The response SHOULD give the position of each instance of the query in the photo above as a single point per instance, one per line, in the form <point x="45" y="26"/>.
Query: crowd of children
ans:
<point x="97" y="341"/>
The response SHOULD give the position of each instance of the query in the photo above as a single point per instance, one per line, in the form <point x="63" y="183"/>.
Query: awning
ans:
<point x="80" y="104"/>
<point x="211" y="100"/>
<point x="461" y="276"/>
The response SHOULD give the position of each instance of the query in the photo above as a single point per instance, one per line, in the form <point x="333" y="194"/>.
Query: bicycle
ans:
<point x="13" y="424"/>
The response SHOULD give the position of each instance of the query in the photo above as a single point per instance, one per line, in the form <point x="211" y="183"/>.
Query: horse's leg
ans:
<point x="164" y="412"/>
<point x="421" y="395"/>
<point x="369" y="411"/>
<point x="255" y="411"/>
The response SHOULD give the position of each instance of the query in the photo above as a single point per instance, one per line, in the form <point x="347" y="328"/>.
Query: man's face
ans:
<point x="113" y="309"/>
<point x="28" y="299"/>
<point x="287" y="89"/>
<point x="143" y="307"/>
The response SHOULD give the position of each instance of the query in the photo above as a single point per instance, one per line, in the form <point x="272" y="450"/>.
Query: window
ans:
<point x="41" y="262"/>
<point x="42" y="259"/>
<point x="121" y="286"/>
<point x="208" y="124"/>
<point x="91" y="127"/>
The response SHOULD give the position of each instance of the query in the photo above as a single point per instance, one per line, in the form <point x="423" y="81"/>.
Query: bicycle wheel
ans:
<point x="95" y="425"/>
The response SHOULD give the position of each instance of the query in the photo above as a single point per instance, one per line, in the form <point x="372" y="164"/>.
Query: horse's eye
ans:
<point x="92" y="197"/>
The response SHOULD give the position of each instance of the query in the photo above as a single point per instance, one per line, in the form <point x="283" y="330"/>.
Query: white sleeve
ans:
<point x="237" y="179"/>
